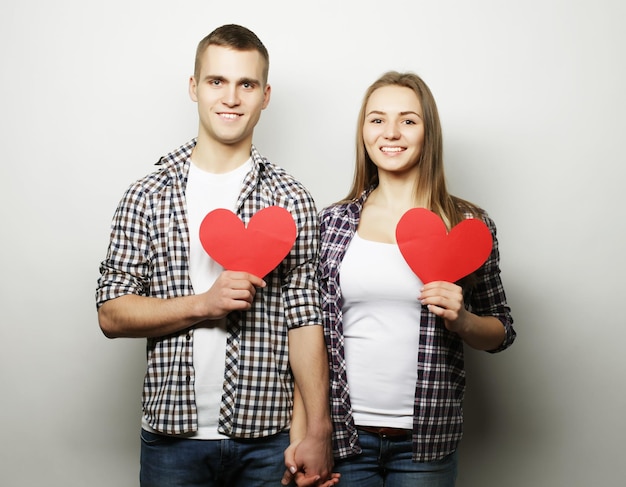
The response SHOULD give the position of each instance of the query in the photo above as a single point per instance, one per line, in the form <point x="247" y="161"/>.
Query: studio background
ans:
<point x="532" y="101"/>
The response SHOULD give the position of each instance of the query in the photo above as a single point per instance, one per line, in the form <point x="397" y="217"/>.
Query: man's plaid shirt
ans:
<point x="148" y="256"/>
<point x="438" y="414"/>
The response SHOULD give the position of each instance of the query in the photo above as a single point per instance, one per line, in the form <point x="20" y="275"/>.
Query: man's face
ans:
<point x="230" y="95"/>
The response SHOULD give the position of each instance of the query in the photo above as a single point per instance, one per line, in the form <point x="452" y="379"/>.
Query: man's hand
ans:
<point x="306" y="475"/>
<point x="231" y="291"/>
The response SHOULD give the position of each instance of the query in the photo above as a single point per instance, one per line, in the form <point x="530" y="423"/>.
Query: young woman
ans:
<point x="396" y="344"/>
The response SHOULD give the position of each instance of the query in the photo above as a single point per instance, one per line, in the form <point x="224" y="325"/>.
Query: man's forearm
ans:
<point x="134" y="316"/>
<point x="309" y="362"/>
<point x="141" y="316"/>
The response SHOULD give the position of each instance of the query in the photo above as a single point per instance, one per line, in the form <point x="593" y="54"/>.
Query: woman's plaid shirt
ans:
<point x="148" y="256"/>
<point x="438" y="414"/>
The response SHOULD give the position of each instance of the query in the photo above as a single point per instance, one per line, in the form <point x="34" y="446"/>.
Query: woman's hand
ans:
<point x="445" y="300"/>
<point x="300" y="477"/>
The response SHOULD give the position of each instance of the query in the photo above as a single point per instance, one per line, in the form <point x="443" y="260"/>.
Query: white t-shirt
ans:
<point x="206" y="192"/>
<point x="381" y="323"/>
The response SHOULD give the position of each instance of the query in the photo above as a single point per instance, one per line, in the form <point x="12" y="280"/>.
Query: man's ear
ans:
<point x="266" y="96"/>
<point x="192" y="88"/>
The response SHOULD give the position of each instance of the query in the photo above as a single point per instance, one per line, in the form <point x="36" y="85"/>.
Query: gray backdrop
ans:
<point x="532" y="102"/>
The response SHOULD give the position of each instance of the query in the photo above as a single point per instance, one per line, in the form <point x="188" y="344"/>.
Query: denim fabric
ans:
<point x="387" y="462"/>
<point x="168" y="461"/>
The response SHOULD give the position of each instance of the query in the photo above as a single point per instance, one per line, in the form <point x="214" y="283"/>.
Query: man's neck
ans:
<point x="219" y="158"/>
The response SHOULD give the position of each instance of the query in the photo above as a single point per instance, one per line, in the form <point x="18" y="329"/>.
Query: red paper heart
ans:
<point x="436" y="255"/>
<point x="257" y="249"/>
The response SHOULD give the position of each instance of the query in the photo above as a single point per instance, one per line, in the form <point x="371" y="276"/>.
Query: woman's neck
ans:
<point x="394" y="195"/>
<point x="383" y="209"/>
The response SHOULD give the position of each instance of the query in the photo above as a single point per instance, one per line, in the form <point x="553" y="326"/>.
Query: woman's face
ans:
<point x="393" y="129"/>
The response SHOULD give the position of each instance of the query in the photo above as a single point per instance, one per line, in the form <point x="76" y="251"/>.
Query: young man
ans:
<point x="222" y="345"/>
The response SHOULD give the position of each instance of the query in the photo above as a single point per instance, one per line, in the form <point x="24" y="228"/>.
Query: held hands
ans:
<point x="232" y="291"/>
<point x="445" y="300"/>
<point x="303" y="468"/>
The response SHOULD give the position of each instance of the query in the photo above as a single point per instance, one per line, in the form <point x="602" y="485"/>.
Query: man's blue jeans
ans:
<point x="387" y="462"/>
<point x="177" y="462"/>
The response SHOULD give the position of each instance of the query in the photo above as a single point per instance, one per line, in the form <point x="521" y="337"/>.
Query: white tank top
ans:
<point x="381" y="322"/>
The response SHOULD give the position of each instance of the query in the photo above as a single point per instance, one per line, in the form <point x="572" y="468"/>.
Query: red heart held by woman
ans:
<point x="257" y="249"/>
<point x="433" y="254"/>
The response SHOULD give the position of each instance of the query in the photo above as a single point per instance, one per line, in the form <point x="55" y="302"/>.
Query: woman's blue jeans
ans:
<point x="387" y="462"/>
<point x="176" y="462"/>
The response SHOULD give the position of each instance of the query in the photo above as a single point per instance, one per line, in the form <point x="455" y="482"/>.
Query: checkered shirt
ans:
<point x="438" y="414"/>
<point x="148" y="256"/>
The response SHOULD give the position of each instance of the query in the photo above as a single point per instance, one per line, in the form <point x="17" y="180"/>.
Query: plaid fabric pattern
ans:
<point x="438" y="414"/>
<point x="147" y="256"/>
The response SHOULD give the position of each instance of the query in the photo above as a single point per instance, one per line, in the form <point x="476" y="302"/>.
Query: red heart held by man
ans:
<point x="433" y="254"/>
<point x="257" y="249"/>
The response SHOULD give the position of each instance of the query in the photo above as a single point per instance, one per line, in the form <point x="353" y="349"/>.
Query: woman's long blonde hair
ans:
<point x="430" y="187"/>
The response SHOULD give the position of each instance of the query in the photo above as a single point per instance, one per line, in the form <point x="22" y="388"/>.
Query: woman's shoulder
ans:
<point x="347" y="207"/>
<point x="469" y="209"/>
<point x="472" y="210"/>
<point x="338" y="209"/>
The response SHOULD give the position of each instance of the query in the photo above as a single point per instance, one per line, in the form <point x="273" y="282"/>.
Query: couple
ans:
<point x="238" y="373"/>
